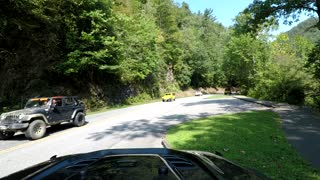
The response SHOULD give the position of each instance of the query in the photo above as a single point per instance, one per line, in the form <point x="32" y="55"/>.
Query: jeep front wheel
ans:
<point x="79" y="120"/>
<point x="5" y="135"/>
<point x="36" y="130"/>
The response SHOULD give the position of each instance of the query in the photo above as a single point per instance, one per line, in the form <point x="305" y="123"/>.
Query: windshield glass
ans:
<point x="37" y="102"/>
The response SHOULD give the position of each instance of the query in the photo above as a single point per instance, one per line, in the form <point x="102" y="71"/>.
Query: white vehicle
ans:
<point x="198" y="93"/>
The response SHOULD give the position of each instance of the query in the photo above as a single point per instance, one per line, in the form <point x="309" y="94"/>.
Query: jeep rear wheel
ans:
<point x="36" y="130"/>
<point x="79" y="120"/>
<point x="6" y="135"/>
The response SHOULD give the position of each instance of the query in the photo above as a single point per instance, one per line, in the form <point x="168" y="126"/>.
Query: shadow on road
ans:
<point x="213" y="101"/>
<point x="156" y="127"/>
<point x="228" y="105"/>
<point x="143" y="127"/>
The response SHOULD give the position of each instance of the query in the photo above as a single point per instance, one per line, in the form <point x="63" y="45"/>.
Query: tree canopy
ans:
<point x="262" y="11"/>
<point x="109" y="47"/>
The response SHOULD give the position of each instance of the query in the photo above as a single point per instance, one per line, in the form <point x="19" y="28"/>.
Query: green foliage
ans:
<point x="280" y="83"/>
<point x="29" y="48"/>
<point x="313" y="65"/>
<point x="202" y="50"/>
<point x="245" y="56"/>
<point x="263" y="11"/>
<point x="242" y="25"/>
<point x="143" y="97"/>
<point x="90" y="40"/>
<point x="139" y="55"/>
<point x="183" y="74"/>
<point x="307" y="30"/>
<point x="290" y="84"/>
<point x="93" y="103"/>
<point x="153" y="46"/>
<point x="313" y="95"/>
<point x="314" y="61"/>
<point x="284" y="78"/>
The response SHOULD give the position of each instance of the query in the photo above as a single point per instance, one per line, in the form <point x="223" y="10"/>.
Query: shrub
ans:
<point x="143" y="97"/>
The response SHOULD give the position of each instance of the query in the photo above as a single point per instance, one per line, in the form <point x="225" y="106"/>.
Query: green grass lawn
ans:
<point x="218" y="96"/>
<point x="251" y="139"/>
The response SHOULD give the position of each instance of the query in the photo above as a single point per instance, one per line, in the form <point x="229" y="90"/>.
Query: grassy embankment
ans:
<point x="251" y="139"/>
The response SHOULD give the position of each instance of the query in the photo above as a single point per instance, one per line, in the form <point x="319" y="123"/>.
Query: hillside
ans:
<point x="106" y="51"/>
<point x="306" y="30"/>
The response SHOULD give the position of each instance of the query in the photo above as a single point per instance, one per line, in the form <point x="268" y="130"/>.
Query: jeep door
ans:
<point x="69" y="105"/>
<point x="57" y="113"/>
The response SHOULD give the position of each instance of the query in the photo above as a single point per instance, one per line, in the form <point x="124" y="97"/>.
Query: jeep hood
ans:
<point x="22" y="111"/>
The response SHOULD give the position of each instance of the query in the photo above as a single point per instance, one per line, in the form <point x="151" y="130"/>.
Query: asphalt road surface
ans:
<point x="140" y="126"/>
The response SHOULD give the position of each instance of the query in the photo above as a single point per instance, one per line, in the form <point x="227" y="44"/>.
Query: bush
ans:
<point x="93" y="103"/>
<point x="314" y="95"/>
<point x="290" y="91"/>
<point x="143" y="97"/>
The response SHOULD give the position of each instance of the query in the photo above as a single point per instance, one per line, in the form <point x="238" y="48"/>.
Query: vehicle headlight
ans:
<point x="21" y="116"/>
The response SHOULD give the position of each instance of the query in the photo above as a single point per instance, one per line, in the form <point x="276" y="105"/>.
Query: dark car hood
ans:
<point x="25" y="111"/>
<point x="176" y="165"/>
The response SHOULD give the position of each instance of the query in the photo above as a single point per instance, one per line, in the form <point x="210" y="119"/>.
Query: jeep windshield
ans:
<point x="37" y="102"/>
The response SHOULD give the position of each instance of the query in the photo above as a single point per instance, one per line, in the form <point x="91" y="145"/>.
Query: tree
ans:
<point x="30" y="38"/>
<point x="284" y="78"/>
<point x="263" y="10"/>
<point x="139" y="56"/>
<point x="242" y="25"/>
<point x="245" y="56"/>
<point x="314" y="61"/>
<point x="90" y="40"/>
<point x="109" y="48"/>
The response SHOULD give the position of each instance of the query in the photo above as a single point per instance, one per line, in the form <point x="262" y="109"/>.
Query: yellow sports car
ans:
<point x="168" y="97"/>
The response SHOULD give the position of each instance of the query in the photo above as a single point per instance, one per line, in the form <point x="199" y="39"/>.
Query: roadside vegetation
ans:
<point x="141" y="99"/>
<point x="111" y="52"/>
<point x="250" y="139"/>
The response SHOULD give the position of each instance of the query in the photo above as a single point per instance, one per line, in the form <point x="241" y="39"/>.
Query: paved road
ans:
<point x="134" y="127"/>
<point x="302" y="130"/>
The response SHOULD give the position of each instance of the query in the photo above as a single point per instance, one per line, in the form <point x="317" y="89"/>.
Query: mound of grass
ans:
<point x="251" y="139"/>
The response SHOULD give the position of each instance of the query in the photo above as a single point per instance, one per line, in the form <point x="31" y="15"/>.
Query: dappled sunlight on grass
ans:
<point x="253" y="139"/>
